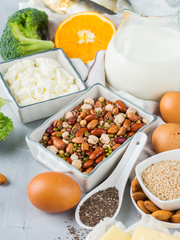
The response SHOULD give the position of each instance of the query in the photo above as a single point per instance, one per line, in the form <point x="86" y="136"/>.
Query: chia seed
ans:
<point x="100" y="205"/>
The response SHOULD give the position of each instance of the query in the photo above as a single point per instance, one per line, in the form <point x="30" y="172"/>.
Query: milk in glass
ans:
<point x="144" y="60"/>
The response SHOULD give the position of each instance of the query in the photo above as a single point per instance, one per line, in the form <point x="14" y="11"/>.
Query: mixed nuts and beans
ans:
<point x="87" y="135"/>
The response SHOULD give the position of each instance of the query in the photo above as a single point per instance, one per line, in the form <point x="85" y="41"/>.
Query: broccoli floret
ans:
<point x="6" y="125"/>
<point x="24" y="34"/>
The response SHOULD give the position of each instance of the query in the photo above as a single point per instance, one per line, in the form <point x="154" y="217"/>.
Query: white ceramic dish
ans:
<point x="103" y="170"/>
<point x="46" y="108"/>
<point x="170" y="205"/>
<point x="141" y="213"/>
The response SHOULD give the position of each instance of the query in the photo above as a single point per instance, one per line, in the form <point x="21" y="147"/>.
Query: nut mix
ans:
<point x="148" y="207"/>
<point x="87" y="135"/>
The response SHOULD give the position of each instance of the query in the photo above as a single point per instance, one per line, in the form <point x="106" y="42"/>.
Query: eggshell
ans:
<point x="170" y="107"/>
<point x="166" y="137"/>
<point x="53" y="192"/>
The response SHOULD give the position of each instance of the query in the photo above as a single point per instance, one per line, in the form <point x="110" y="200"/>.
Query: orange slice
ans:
<point x="83" y="34"/>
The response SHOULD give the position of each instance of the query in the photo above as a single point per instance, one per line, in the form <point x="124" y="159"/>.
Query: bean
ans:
<point x="83" y="153"/>
<point x="120" y="140"/>
<point x="111" y="135"/>
<point x="50" y="130"/>
<point x="59" y="135"/>
<point x="86" y="134"/>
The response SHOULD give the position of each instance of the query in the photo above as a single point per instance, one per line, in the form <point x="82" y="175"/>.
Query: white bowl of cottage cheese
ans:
<point x="39" y="85"/>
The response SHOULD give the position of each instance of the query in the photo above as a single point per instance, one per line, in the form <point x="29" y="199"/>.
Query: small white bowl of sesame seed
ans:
<point x="159" y="177"/>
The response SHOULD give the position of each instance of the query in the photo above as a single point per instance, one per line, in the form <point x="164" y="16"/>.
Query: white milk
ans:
<point x="144" y="61"/>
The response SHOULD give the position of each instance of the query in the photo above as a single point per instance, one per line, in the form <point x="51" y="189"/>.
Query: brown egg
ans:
<point x="166" y="137"/>
<point x="170" y="107"/>
<point x="53" y="192"/>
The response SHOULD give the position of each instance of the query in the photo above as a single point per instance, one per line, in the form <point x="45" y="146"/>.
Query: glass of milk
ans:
<point x="143" y="57"/>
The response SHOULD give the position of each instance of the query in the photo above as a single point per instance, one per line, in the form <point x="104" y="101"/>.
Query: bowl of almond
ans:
<point x="144" y="205"/>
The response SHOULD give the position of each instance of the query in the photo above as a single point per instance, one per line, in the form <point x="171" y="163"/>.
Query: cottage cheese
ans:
<point x="32" y="81"/>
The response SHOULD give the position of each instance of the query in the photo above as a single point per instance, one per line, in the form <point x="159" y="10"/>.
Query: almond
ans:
<point x="55" y="133"/>
<point x="162" y="215"/>
<point x="88" y="163"/>
<point x="88" y="170"/>
<point x="84" y="146"/>
<point x="84" y="114"/>
<point x="135" y="127"/>
<point x="113" y="129"/>
<point x="115" y="111"/>
<point x="92" y="124"/>
<point x="100" y="158"/>
<point x="59" y="144"/>
<point x="98" y="131"/>
<point x="68" y="160"/>
<point x="69" y="148"/>
<point x="178" y="212"/>
<point x="130" y="134"/>
<point x="121" y="131"/>
<point x="3" y="179"/>
<point x="72" y="120"/>
<point x="95" y="154"/>
<point x="115" y="146"/>
<point x="75" y="128"/>
<point x="78" y="140"/>
<point x="91" y="117"/>
<point x="135" y="185"/>
<point x="139" y="196"/>
<point x="81" y="132"/>
<point x="175" y="218"/>
<point x="151" y="206"/>
<point x="141" y="205"/>
<point x="107" y="116"/>
<point x="57" y="123"/>
<point x="127" y="124"/>
<point x="132" y="117"/>
<point x="119" y="104"/>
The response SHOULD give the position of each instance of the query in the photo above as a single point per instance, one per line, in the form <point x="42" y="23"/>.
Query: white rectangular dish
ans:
<point x="46" y="108"/>
<point x="103" y="169"/>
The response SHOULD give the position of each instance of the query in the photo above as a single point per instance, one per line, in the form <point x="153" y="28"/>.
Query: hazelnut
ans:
<point x="83" y="122"/>
<point x="101" y="99"/>
<point x="61" y="152"/>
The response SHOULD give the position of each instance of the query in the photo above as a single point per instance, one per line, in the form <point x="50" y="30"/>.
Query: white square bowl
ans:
<point x="46" y="108"/>
<point x="169" y="205"/>
<point x="103" y="169"/>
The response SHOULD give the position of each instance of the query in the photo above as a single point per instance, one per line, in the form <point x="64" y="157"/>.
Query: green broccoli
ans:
<point x="25" y="34"/>
<point x="6" y="125"/>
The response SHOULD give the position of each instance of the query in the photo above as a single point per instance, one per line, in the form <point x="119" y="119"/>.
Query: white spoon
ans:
<point x="119" y="176"/>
